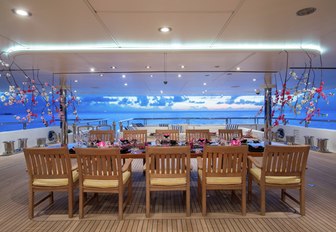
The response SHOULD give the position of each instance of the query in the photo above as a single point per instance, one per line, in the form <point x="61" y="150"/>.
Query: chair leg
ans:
<point x="283" y="194"/>
<point x="51" y="198"/>
<point x="121" y="204"/>
<point x="130" y="191"/>
<point x="262" y="200"/>
<point x="147" y="202"/>
<point x="31" y="204"/>
<point x="70" y="202"/>
<point x="188" y="201"/>
<point x="199" y="189"/>
<point x="249" y="184"/>
<point x="243" y="199"/>
<point x="82" y="196"/>
<point x="203" y="201"/>
<point x="302" y="201"/>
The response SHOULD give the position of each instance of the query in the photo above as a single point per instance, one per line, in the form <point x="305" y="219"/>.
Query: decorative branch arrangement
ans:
<point x="39" y="99"/>
<point x="304" y="96"/>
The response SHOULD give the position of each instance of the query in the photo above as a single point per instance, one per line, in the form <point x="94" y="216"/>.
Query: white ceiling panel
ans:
<point x="141" y="29"/>
<point x="164" y="5"/>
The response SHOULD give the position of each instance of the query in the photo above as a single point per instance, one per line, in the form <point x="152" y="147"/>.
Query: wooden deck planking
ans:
<point x="168" y="209"/>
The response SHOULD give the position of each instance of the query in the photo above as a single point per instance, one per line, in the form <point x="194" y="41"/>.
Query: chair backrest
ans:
<point x="173" y="134"/>
<point x="139" y="135"/>
<point x="224" y="161"/>
<point x="168" y="161"/>
<point x="197" y="134"/>
<point x="285" y="160"/>
<point x="229" y="134"/>
<point x="48" y="163"/>
<point x="99" y="163"/>
<point x="102" y="135"/>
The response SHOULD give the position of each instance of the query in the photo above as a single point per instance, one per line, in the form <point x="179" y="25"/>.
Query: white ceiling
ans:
<point x="200" y="32"/>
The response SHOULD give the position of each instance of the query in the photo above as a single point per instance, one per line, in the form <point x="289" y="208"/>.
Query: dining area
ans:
<point x="168" y="176"/>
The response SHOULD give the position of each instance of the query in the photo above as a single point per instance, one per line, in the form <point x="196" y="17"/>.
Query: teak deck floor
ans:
<point x="168" y="209"/>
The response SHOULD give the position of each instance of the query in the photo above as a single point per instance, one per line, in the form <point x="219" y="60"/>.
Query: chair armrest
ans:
<point x="127" y="165"/>
<point x="256" y="161"/>
<point x="199" y="163"/>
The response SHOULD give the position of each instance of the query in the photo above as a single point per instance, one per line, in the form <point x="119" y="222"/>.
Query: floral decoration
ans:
<point x="32" y="93"/>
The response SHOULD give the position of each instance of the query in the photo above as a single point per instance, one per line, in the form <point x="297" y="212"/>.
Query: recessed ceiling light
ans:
<point x="113" y="67"/>
<point x="101" y="75"/>
<point x="182" y="66"/>
<point x="123" y="76"/>
<point x="179" y="75"/>
<point x="238" y="68"/>
<point x="75" y="91"/>
<point x="151" y="75"/>
<point x="254" y="79"/>
<point x="148" y="67"/>
<point x="306" y="11"/>
<point x="161" y="91"/>
<point x="21" y="12"/>
<point x="165" y="29"/>
<point x="125" y="84"/>
<point x="92" y="69"/>
<point x="76" y="81"/>
<point x="204" y="83"/>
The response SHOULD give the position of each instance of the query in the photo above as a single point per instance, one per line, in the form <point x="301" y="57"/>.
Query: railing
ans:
<point x="329" y="124"/>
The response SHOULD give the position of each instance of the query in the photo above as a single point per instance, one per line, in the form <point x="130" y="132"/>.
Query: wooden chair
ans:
<point x="102" y="171"/>
<point x="222" y="168"/>
<point x="139" y="135"/>
<point x="229" y="134"/>
<point x="197" y="134"/>
<point x="50" y="171"/>
<point x="102" y="135"/>
<point x="282" y="167"/>
<point x="173" y="134"/>
<point x="167" y="169"/>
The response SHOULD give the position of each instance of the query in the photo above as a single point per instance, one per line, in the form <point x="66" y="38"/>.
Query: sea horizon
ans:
<point x="180" y="114"/>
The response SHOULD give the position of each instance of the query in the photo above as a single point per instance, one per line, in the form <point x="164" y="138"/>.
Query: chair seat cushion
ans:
<point x="220" y="180"/>
<point x="168" y="181"/>
<point x="56" y="182"/>
<point x="96" y="183"/>
<point x="256" y="172"/>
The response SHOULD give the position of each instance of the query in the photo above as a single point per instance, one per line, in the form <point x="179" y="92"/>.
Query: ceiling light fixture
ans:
<point x="125" y="84"/>
<point x="238" y="68"/>
<point x="148" y="67"/>
<point x="161" y="91"/>
<point x="179" y="75"/>
<point x="113" y="67"/>
<point x="151" y="75"/>
<point x="254" y="79"/>
<point x="123" y="76"/>
<point x="204" y="83"/>
<point x="76" y="81"/>
<point x="101" y="75"/>
<point x="306" y="11"/>
<point x="22" y="12"/>
<point x="182" y="66"/>
<point x="92" y="69"/>
<point x="165" y="29"/>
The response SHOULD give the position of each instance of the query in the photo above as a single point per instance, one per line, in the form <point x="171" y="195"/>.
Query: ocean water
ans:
<point x="8" y="122"/>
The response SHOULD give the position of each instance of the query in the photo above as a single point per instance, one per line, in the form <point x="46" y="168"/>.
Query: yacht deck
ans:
<point x="168" y="209"/>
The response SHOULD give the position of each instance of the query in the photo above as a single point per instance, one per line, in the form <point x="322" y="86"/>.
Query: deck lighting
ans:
<point x="165" y="29"/>
<point x="22" y="12"/>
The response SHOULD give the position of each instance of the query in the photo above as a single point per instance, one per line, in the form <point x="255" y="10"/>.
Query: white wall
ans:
<point x="31" y="134"/>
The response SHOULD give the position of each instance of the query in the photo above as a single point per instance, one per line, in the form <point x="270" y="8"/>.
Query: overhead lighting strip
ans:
<point x="200" y="47"/>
